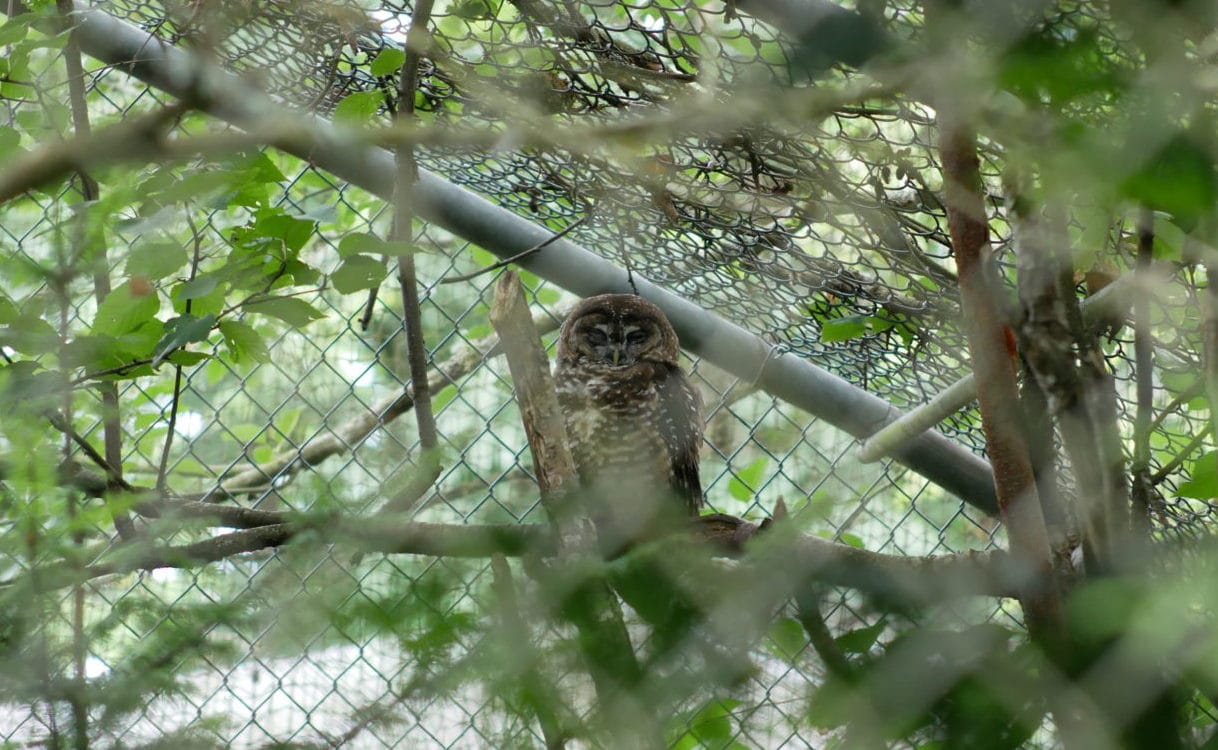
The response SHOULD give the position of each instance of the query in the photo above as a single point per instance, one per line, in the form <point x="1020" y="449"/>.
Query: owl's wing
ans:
<point x="681" y="426"/>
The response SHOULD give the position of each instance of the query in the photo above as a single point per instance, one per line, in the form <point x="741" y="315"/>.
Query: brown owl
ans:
<point x="633" y="418"/>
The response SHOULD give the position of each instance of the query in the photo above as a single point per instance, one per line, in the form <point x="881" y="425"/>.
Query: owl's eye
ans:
<point x="596" y="336"/>
<point x="636" y="337"/>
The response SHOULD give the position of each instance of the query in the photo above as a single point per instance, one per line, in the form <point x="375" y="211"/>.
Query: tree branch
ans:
<point x="582" y="596"/>
<point x="911" y="580"/>
<point x="993" y="366"/>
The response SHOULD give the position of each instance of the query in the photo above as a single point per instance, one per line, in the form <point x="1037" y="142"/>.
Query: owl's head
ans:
<point x="617" y="330"/>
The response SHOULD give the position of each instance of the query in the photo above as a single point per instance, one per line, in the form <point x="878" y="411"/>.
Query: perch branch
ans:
<point x="917" y="580"/>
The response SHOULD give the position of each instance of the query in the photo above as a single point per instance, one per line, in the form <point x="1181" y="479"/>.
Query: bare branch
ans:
<point x="991" y="350"/>
<point x="585" y="599"/>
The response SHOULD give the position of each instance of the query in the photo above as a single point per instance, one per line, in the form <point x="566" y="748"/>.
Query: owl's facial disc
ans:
<point x="619" y="343"/>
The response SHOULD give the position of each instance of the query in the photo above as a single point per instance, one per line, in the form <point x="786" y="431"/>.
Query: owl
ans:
<point x="633" y="418"/>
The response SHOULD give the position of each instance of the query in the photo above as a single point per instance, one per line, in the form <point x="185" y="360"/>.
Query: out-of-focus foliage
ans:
<point x="781" y="170"/>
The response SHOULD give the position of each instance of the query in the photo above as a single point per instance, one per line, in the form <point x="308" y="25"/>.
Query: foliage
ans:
<point x="180" y="326"/>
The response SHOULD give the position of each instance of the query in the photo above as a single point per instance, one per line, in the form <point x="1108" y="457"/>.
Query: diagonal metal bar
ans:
<point x="562" y="262"/>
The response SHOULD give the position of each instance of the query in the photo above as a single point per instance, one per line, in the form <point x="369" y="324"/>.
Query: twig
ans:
<point x="177" y="369"/>
<point x="822" y="640"/>
<point x="111" y="425"/>
<point x="113" y="476"/>
<point x="1143" y="343"/>
<point x="1166" y="469"/>
<point x="1188" y="394"/>
<point x="403" y="232"/>
<point x="517" y="257"/>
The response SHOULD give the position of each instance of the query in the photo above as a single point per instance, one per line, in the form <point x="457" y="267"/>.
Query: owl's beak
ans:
<point x="617" y="356"/>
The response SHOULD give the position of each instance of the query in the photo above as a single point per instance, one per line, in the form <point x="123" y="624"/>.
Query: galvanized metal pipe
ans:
<point x="504" y="233"/>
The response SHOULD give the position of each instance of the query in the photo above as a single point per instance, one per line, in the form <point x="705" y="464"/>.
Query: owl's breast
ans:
<point x="611" y="426"/>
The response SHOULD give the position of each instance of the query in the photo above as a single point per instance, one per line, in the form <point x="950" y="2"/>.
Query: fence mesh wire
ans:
<point x="794" y="235"/>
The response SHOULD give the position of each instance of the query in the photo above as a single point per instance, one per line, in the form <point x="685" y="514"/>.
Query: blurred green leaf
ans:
<point x="10" y="140"/>
<point x="861" y="640"/>
<point x="29" y="334"/>
<point x="155" y="260"/>
<point x="126" y="308"/>
<point x="1058" y="65"/>
<point x="180" y="331"/>
<point x="357" y="272"/>
<point x="358" y="108"/>
<point x="843" y="329"/>
<point x="854" y="540"/>
<point x="745" y="482"/>
<point x="245" y="344"/>
<point x="1203" y="478"/>
<point x="291" y="310"/>
<point x="787" y="639"/>
<point x="1179" y="178"/>
<point x="362" y="243"/>
<point x="388" y="62"/>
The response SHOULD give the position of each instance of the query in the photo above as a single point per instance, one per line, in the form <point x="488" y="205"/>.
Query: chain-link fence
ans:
<point x="829" y="241"/>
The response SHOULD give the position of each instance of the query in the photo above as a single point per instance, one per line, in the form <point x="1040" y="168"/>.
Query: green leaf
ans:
<point x="126" y="309"/>
<point x="832" y="705"/>
<point x="712" y="724"/>
<point x="843" y="329"/>
<point x="1179" y="179"/>
<point x="361" y="243"/>
<point x="745" y="482"/>
<point x="1042" y="66"/>
<point x="195" y="288"/>
<point x="1203" y="478"/>
<point x="474" y="10"/>
<point x="358" y="272"/>
<point x="1169" y="239"/>
<point x="854" y="540"/>
<point x="388" y="62"/>
<point x="155" y="260"/>
<point x="787" y="639"/>
<point x="30" y="334"/>
<point x="92" y="353"/>
<point x="244" y="342"/>
<point x="358" y="243"/>
<point x="28" y="389"/>
<point x="291" y="310"/>
<point x="14" y="30"/>
<point x="180" y="331"/>
<point x="186" y="359"/>
<point x="358" y="108"/>
<point x="293" y="230"/>
<point x="860" y="641"/>
<point x="10" y="141"/>
<point x="442" y="399"/>
<point x="8" y="311"/>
